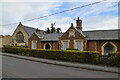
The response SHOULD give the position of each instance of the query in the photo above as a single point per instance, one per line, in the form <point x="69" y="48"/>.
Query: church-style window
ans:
<point x="108" y="49"/>
<point x="71" y="33"/>
<point x="20" y="37"/>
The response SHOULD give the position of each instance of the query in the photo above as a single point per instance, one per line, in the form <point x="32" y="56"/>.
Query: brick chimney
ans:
<point x="79" y="24"/>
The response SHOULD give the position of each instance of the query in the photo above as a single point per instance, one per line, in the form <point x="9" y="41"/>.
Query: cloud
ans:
<point x="17" y="11"/>
<point x="56" y="0"/>
<point x="100" y="23"/>
<point x="94" y="17"/>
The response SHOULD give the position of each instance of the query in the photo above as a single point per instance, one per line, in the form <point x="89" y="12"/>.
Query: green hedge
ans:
<point x="114" y="59"/>
<point x="90" y="57"/>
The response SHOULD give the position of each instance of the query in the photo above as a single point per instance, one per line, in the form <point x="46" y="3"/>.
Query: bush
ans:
<point x="90" y="57"/>
<point x="114" y="59"/>
<point x="65" y="55"/>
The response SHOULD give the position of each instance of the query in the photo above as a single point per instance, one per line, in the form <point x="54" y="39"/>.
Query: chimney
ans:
<point x="79" y="24"/>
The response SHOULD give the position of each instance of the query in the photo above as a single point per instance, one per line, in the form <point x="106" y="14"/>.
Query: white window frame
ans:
<point x="34" y="47"/>
<point x="76" y="44"/>
<point x="62" y="41"/>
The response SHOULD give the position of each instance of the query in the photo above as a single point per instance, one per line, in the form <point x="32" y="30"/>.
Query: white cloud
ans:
<point x="100" y="23"/>
<point x="16" y="12"/>
<point x="56" y="0"/>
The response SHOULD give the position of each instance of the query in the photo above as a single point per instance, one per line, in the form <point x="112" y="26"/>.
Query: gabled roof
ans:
<point x="91" y="35"/>
<point x="30" y="30"/>
<point x="103" y="34"/>
<point x="51" y="36"/>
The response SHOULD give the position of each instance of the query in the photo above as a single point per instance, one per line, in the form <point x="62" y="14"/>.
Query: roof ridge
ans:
<point x="29" y="27"/>
<point x="102" y="30"/>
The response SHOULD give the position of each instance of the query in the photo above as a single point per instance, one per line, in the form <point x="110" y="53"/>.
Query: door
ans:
<point x="47" y="46"/>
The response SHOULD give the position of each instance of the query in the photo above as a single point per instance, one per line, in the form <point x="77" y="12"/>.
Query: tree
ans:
<point x="58" y="30"/>
<point x="52" y="29"/>
<point x="48" y="30"/>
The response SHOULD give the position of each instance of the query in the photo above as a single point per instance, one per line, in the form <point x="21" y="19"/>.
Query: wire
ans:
<point x="57" y="13"/>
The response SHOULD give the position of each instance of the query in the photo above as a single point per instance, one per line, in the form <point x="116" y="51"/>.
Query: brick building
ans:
<point x="104" y="41"/>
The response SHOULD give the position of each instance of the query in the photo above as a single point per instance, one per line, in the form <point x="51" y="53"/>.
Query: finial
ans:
<point x="71" y="24"/>
<point x="20" y="23"/>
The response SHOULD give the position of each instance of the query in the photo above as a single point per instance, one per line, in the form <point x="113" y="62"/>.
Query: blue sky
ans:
<point x="100" y="16"/>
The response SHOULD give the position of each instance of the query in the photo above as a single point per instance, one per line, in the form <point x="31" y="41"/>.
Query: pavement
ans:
<point x="20" y="68"/>
<point x="68" y="64"/>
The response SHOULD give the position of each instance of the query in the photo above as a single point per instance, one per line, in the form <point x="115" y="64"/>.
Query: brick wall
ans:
<point x="54" y="44"/>
<point x="97" y="45"/>
<point x="34" y="37"/>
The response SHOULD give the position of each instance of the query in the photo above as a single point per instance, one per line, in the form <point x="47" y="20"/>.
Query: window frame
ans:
<point x="75" y="46"/>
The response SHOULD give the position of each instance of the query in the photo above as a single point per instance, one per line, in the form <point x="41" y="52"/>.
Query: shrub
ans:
<point x="90" y="57"/>
<point x="66" y="55"/>
<point x="114" y="59"/>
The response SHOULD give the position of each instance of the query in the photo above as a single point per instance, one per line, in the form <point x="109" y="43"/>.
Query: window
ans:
<point x="108" y="49"/>
<point x="20" y="37"/>
<point x="65" y="45"/>
<point x="78" y="45"/>
<point x="34" y="44"/>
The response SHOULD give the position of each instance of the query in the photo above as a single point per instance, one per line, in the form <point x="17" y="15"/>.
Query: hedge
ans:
<point x="90" y="57"/>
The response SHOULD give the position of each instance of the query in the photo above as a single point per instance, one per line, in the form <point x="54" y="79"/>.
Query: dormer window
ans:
<point x="71" y="33"/>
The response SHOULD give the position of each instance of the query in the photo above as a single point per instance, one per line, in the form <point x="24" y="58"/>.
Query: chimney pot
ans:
<point x="78" y="18"/>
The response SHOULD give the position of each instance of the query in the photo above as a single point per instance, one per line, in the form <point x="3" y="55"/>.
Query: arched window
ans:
<point x="47" y="46"/>
<point x="108" y="48"/>
<point x="20" y="37"/>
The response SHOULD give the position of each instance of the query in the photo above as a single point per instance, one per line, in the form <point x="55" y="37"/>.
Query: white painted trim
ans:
<point x="95" y="45"/>
<point x="81" y="45"/>
<point x="63" y="43"/>
<point x="102" y="48"/>
<point x="49" y="44"/>
<point x="33" y="45"/>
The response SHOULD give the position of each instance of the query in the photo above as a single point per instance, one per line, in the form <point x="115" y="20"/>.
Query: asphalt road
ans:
<point x="19" y="68"/>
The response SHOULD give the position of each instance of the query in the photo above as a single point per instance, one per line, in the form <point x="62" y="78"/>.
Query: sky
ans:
<point x="102" y="16"/>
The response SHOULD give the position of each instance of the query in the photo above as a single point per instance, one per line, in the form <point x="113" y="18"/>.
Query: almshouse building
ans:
<point x="103" y="41"/>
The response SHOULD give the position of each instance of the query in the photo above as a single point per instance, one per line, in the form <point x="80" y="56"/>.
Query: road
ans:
<point x="19" y="68"/>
